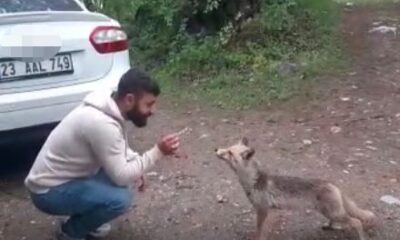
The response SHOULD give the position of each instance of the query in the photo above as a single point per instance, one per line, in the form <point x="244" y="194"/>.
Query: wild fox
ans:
<point x="270" y="192"/>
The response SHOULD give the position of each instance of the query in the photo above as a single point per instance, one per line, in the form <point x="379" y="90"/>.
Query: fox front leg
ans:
<point x="261" y="217"/>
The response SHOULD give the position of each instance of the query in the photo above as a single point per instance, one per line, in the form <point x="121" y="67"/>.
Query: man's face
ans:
<point x="141" y="107"/>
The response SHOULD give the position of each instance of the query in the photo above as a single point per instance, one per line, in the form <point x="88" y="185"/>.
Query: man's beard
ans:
<point x="137" y="118"/>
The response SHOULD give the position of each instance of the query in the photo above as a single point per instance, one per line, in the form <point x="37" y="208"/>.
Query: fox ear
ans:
<point x="228" y="154"/>
<point x="245" y="141"/>
<point x="248" y="154"/>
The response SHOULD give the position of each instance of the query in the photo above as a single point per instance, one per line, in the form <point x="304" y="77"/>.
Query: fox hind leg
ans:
<point x="331" y="205"/>
<point x="332" y="226"/>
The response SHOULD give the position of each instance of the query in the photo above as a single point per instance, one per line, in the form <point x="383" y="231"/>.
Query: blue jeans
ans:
<point x="89" y="203"/>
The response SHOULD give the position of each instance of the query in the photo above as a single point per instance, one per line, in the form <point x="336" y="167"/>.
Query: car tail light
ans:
<point x="108" y="39"/>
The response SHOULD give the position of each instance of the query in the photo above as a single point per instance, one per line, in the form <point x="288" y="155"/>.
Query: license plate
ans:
<point x="17" y="70"/>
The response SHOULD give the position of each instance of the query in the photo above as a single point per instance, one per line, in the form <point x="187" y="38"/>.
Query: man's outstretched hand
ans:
<point x="169" y="144"/>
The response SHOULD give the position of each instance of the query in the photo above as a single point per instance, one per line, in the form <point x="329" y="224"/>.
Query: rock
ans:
<point x="225" y="120"/>
<point x="359" y="154"/>
<point x="393" y="180"/>
<point x="345" y="99"/>
<point x="346" y="172"/>
<point x="287" y="69"/>
<point x="384" y="30"/>
<point x="204" y="136"/>
<point x="307" y="142"/>
<point x="227" y="181"/>
<point x="162" y="178"/>
<point x="299" y="120"/>
<point x="172" y="220"/>
<point x="246" y="211"/>
<point x="189" y="211"/>
<point x="353" y="74"/>
<point x="152" y="174"/>
<point x="221" y="199"/>
<point x="388" y="199"/>
<point x="181" y="186"/>
<point x="236" y="204"/>
<point x="198" y="225"/>
<point x="372" y="148"/>
<point x="336" y="129"/>
<point x="376" y="23"/>
<point x="247" y="220"/>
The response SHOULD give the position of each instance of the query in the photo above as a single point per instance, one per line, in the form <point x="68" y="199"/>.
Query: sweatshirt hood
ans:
<point x="102" y="100"/>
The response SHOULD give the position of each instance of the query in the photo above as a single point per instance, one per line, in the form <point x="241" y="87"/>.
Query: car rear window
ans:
<point x="16" y="6"/>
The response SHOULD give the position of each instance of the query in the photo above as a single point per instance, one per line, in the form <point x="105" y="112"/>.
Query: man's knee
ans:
<point x="121" y="200"/>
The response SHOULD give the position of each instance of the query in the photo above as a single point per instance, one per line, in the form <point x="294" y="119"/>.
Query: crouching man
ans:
<point x="85" y="167"/>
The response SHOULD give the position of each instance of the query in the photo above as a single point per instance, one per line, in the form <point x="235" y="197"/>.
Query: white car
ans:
<point x="52" y="54"/>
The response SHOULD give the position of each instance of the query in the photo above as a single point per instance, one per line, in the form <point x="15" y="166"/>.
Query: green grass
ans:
<point x="259" y="85"/>
<point x="243" y="74"/>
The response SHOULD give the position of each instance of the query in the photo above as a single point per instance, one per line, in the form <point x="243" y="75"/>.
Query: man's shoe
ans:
<point x="60" y="235"/>
<point x="101" y="231"/>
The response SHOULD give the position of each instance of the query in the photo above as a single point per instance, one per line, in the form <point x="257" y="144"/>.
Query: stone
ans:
<point x="336" y="129"/>
<point x="221" y="199"/>
<point x="287" y="69"/>
<point x="389" y="199"/>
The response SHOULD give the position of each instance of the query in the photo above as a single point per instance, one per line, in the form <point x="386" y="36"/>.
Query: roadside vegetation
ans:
<point x="231" y="53"/>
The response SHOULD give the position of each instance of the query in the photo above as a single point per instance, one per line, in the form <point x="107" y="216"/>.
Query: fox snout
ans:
<point x="220" y="153"/>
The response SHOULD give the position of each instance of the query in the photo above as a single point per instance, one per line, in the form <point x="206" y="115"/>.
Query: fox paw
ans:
<point x="332" y="227"/>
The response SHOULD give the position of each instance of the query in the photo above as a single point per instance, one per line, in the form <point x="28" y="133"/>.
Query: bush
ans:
<point x="227" y="50"/>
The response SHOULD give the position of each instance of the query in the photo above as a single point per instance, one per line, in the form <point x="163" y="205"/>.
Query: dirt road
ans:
<point x="349" y="134"/>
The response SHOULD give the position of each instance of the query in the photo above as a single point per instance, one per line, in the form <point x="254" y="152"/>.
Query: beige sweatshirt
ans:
<point x="91" y="137"/>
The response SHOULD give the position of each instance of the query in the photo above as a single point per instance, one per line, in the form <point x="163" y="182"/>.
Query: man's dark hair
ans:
<point x="137" y="81"/>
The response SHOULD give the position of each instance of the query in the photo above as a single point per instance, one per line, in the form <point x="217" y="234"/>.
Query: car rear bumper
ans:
<point x="35" y="134"/>
<point x="29" y="109"/>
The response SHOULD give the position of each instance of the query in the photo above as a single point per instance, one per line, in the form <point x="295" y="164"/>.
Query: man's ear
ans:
<point x="248" y="154"/>
<point x="130" y="99"/>
<point x="245" y="141"/>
